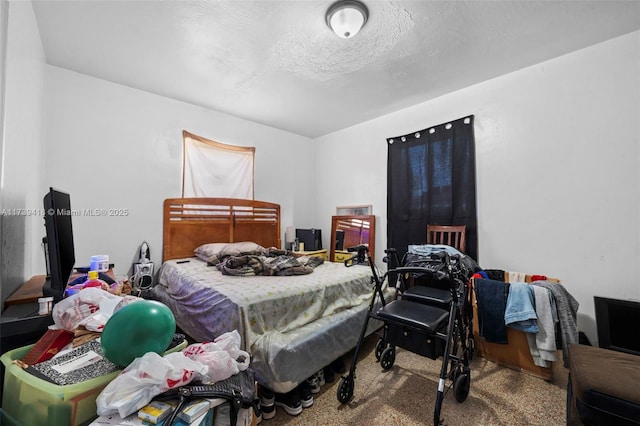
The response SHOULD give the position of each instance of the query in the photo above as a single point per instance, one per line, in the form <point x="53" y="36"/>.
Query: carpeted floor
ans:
<point x="405" y="395"/>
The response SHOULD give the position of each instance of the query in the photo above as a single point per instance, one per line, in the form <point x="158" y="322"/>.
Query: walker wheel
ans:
<point x="461" y="386"/>
<point x="345" y="389"/>
<point x="387" y="358"/>
<point x="379" y="348"/>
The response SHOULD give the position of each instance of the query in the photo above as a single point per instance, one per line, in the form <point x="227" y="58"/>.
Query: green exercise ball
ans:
<point x="135" y="329"/>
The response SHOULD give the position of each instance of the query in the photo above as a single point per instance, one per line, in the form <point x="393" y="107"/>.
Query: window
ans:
<point x="431" y="180"/>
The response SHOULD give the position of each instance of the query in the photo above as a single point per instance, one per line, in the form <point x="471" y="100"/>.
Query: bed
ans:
<point x="292" y="326"/>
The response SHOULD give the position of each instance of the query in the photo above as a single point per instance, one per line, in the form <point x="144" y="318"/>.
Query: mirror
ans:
<point x="349" y="231"/>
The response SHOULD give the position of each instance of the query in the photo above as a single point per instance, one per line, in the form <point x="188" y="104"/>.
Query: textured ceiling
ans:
<point x="277" y="63"/>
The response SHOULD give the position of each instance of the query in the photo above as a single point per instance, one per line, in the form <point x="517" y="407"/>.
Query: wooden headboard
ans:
<point x="191" y="222"/>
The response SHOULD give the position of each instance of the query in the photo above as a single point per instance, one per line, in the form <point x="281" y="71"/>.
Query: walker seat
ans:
<point x="428" y="296"/>
<point x="429" y="319"/>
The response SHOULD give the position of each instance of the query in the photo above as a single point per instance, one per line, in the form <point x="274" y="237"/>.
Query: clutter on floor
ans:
<point x="111" y="356"/>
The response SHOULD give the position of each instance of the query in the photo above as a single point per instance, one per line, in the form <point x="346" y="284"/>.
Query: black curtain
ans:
<point x="431" y="179"/>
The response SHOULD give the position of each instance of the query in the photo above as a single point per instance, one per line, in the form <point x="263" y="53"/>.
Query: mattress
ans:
<point x="292" y="326"/>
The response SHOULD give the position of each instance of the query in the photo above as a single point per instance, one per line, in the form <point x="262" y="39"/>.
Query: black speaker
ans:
<point x="143" y="270"/>
<point x="142" y="275"/>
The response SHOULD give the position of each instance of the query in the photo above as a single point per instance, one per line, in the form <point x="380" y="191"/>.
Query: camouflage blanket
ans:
<point x="269" y="261"/>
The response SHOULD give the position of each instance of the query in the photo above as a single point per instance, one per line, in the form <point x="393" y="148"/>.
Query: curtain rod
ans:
<point x="431" y="130"/>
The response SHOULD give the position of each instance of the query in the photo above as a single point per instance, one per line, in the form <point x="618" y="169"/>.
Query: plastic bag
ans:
<point x="144" y="378"/>
<point x="222" y="357"/>
<point x="70" y="312"/>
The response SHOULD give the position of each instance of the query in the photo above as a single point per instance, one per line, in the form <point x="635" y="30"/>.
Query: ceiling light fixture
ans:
<point x="347" y="17"/>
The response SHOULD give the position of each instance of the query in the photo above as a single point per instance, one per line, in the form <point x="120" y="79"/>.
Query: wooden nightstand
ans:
<point x="341" y="255"/>
<point x="320" y="253"/>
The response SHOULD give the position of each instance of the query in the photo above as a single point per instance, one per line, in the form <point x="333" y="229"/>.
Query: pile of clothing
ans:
<point x="541" y="308"/>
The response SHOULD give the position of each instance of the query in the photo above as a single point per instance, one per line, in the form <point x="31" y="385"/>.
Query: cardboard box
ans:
<point x="195" y="409"/>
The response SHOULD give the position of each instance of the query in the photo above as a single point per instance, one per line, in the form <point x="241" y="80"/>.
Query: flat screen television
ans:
<point x="617" y="322"/>
<point x="59" y="243"/>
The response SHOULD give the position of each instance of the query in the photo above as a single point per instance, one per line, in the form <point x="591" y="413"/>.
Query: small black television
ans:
<point x="617" y="322"/>
<point x="59" y="247"/>
<point x="311" y="238"/>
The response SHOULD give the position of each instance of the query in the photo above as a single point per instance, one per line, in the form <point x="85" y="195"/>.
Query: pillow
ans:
<point x="235" y="249"/>
<point x="205" y="251"/>
<point x="212" y="251"/>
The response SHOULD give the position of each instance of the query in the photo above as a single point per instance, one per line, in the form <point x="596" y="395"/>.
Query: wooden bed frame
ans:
<point x="191" y="222"/>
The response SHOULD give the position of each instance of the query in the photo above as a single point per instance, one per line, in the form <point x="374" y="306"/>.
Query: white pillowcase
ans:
<point x="235" y="249"/>
<point x="207" y="252"/>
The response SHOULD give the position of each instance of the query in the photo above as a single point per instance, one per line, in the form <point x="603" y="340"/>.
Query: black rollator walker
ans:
<point x="426" y="320"/>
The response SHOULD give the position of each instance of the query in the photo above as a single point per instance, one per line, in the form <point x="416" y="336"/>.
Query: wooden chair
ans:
<point x="452" y="235"/>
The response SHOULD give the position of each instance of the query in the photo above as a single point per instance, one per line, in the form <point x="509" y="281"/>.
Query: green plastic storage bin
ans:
<point x="30" y="401"/>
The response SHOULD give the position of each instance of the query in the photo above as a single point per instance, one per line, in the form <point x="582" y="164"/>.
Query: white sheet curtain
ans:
<point x="213" y="169"/>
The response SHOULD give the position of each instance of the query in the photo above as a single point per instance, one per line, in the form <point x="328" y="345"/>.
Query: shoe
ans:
<point x="268" y="411"/>
<point x="306" y="396"/>
<point x="313" y="384"/>
<point x="267" y="402"/>
<point x="328" y="374"/>
<point x="290" y="401"/>
<point x="320" y="375"/>
<point x="267" y="397"/>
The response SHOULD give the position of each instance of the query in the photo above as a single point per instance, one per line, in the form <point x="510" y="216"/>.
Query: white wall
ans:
<point x="22" y="158"/>
<point x="110" y="146"/>
<point x="557" y="148"/>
